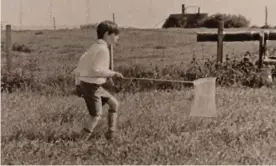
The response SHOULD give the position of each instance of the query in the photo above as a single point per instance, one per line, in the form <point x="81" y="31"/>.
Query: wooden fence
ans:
<point x="222" y="36"/>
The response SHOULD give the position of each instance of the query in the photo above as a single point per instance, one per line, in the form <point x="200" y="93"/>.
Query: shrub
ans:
<point x="267" y="27"/>
<point x="88" y="26"/>
<point x="17" y="79"/>
<point x="2" y="45"/>
<point x="39" y="33"/>
<point x="230" y="73"/>
<point x="194" y="21"/>
<point x="254" y="26"/>
<point x="21" y="48"/>
<point x="172" y="22"/>
<point x="230" y="21"/>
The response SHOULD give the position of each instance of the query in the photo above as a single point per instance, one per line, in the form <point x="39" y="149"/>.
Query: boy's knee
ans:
<point x="113" y="105"/>
<point x="95" y="113"/>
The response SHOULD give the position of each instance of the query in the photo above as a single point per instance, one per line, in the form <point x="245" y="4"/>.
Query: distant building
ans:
<point x="185" y="20"/>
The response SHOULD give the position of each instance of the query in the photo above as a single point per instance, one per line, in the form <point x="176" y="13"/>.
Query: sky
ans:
<point x="128" y="13"/>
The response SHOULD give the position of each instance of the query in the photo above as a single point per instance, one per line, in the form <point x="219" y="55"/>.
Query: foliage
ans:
<point x="268" y="27"/>
<point x="21" y="48"/>
<point x="88" y="26"/>
<point x="173" y="22"/>
<point x="230" y="21"/>
<point x="230" y="73"/>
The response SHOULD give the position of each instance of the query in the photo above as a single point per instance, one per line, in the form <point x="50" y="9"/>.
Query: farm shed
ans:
<point x="185" y="20"/>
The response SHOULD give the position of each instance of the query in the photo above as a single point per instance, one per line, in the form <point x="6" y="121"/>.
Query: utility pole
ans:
<point x="87" y="12"/>
<point x="54" y="23"/>
<point x="70" y="10"/>
<point x="20" y="14"/>
<point x="266" y="15"/>
<point x="50" y="11"/>
<point x="113" y="17"/>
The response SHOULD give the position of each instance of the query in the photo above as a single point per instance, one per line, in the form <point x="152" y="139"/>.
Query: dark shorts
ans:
<point x="95" y="97"/>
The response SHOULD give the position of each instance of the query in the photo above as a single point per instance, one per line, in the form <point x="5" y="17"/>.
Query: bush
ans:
<point x="88" y="26"/>
<point x="267" y="27"/>
<point x="39" y="33"/>
<point x="21" y="48"/>
<point x="230" y="73"/>
<point x="194" y="21"/>
<point x="230" y="21"/>
<point x="254" y="26"/>
<point x="17" y="79"/>
<point x="173" y="22"/>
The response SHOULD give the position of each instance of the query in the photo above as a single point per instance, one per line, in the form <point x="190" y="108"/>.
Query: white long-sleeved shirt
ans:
<point x="93" y="66"/>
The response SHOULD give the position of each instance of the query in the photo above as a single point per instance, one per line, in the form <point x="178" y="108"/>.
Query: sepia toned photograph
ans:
<point x="127" y="82"/>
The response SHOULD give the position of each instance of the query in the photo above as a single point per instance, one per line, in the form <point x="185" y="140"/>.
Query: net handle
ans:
<point x="158" y="80"/>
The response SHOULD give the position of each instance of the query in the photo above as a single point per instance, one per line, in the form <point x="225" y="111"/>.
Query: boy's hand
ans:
<point x="118" y="75"/>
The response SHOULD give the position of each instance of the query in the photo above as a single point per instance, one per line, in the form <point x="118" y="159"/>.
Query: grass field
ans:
<point x="154" y="126"/>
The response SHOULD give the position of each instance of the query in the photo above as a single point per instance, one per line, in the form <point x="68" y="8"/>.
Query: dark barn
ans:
<point x="185" y="20"/>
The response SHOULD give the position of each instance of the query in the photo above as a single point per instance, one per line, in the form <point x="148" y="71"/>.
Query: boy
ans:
<point x="92" y="72"/>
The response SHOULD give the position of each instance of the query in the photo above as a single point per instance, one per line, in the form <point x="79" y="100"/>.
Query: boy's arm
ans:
<point x="97" y="73"/>
<point x="100" y="73"/>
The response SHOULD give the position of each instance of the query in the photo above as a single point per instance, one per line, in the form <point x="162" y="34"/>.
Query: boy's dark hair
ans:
<point x="107" y="26"/>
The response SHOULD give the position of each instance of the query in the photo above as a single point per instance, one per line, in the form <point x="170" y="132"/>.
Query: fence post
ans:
<point x="265" y="43"/>
<point x="54" y="23"/>
<point x="220" y="41"/>
<point x="113" y="17"/>
<point x="261" y="51"/>
<point x="8" y="47"/>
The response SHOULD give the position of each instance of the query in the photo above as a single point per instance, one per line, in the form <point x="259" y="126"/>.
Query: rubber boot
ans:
<point x="112" y="125"/>
<point x="90" y="125"/>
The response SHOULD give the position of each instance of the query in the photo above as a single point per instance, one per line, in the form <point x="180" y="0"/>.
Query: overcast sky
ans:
<point x="134" y="13"/>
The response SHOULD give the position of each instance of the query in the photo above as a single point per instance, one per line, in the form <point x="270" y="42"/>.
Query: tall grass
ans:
<point x="229" y="73"/>
<point x="154" y="128"/>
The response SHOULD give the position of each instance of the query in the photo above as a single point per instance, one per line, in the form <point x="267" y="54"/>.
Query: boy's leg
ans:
<point x="94" y="105"/>
<point x="112" y="112"/>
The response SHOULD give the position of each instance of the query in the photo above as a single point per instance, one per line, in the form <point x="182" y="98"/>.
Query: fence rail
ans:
<point x="229" y="36"/>
<point x="270" y="36"/>
<point x="222" y="36"/>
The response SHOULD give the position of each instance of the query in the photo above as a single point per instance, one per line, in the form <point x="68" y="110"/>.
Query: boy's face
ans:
<point x="112" y="38"/>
